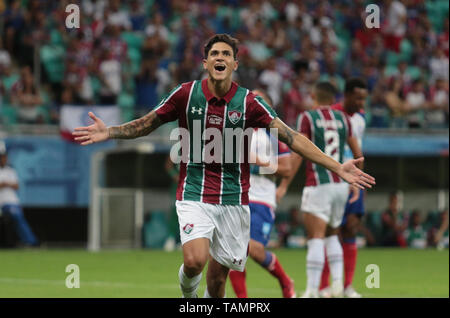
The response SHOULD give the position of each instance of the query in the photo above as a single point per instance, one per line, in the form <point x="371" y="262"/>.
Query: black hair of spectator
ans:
<point x="222" y="38"/>
<point x="354" y="82"/>
<point x="325" y="92"/>
<point x="300" y="64"/>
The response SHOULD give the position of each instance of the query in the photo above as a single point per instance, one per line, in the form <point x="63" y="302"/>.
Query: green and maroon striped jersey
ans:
<point x="328" y="129"/>
<point x="197" y="109"/>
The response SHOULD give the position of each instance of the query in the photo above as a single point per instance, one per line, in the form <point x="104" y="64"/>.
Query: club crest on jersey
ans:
<point x="188" y="228"/>
<point x="234" y="116"/>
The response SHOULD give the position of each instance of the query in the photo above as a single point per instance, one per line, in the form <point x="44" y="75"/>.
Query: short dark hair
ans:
<point x="354" y="82"/>
<point x="222" y="38"/>
<point x="325" y="92"/>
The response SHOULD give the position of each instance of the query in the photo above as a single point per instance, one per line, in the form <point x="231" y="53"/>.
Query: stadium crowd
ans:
<point x="131" y="53"/>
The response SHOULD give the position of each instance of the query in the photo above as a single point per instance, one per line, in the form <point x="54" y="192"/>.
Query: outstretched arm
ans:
<point x="98" y="131"/>
<point x="304" y="147"/>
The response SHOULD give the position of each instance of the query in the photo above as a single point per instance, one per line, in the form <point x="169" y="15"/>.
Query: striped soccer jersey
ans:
<point x="358" y="122"/>
<point x="197" y="109"/>
<point x="328" y="129"/>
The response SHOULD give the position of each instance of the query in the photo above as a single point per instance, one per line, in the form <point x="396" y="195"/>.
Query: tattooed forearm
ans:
<point x="136" y="128"/>
<point x="285" y="134"/>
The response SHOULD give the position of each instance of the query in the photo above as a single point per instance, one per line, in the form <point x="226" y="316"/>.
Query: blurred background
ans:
<point x="127" y="55"/>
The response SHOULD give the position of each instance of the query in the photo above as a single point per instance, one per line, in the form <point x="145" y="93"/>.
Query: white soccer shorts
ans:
<point x="226" y="226"/>
<point x="326" y="201"/>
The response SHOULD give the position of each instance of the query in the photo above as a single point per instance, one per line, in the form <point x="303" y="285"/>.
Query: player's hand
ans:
<point x="94" y="133"/>
<point x="350" y="173"/>
<point x="280" y="193"/>
<point x="355" y="194"/>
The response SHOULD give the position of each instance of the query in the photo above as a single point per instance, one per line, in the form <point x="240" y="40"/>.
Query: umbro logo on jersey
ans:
<point x="188" y="228"/>
<point x="214" y="120"/>
<point x="196" y="110"/>
<point x="234" y="116"/>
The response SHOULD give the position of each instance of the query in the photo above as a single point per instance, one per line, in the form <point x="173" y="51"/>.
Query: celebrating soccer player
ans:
<point x="212" y="197"/>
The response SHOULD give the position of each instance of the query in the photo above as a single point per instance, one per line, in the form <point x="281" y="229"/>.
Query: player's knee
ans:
<point x="193" y="264"/>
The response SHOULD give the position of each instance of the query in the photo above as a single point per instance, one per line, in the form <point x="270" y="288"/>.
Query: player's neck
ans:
<point x="219" y="88"/>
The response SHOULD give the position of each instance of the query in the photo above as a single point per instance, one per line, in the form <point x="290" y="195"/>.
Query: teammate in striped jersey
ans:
<point x="212" y="197"/>
<point x="262" y="208"/>
<point x="355" y="94"/>
<point x="325" y="193"/>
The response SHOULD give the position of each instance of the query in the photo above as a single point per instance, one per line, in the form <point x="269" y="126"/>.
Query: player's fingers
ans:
<point x="368" y="178"/>
<point x="82" y="138"/>
<point x="80" y="133"/>
<point x="358" y="186"/>
<point x="364" y="184"/>
<point x="81" y="128"/>
<point x="92" y="115"/>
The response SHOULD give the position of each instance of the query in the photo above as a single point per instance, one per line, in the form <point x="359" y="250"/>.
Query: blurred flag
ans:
<point x="72" y="116"/>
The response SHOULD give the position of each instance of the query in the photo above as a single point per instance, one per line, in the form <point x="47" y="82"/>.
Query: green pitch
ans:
<point x="154" y="274"/>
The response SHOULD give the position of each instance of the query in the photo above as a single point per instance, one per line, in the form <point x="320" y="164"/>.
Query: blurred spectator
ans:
<point x="293" y="103"/>
<point x="110" y="77"/>
<point x="25" y="96"/>
<point x="5" y="58"/>
<point x="272" y="81"/>
<point x="146" y="85"/>
<point x="379" y="107"/>
<point x="395" y="27"/>
<point x="118" y="17"/>
<point x="439" y="231"/>
<point x="439" y="65"/>
<point x="156" y="26"/>
<point x="415" y="235"/>
<point x="393" y="224"/>
<point x="13" y="23"/>
<point x="9" y="201"/>
<point x="437" y="112"/>
<point x="137" y="16"/>
<point x="415" y="105"/>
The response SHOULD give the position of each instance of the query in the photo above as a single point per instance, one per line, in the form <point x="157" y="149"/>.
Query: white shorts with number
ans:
<point x="226" y="226"/>
<point x="326" y="201"/>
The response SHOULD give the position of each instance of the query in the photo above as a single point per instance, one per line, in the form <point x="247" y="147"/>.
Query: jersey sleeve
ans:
<point x="169" y="108"/>
<point x="258" y="113"/>
<point x="304" y="125"/>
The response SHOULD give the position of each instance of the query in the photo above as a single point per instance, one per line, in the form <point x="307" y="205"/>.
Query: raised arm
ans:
<point x="98" y="131"/>
<point x="304" y="147"/>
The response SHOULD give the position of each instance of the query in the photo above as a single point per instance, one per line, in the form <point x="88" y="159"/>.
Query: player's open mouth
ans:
<point x="219" y="68"/>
